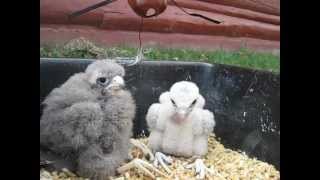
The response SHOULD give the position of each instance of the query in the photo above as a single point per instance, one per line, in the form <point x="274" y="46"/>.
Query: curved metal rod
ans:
<point x="138" y="58"/>
<point x="90" y="8"/>
<point x="130" y="61"/>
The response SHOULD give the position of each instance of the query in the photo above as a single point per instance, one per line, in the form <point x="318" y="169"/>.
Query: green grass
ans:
<point x="243" y="57"/>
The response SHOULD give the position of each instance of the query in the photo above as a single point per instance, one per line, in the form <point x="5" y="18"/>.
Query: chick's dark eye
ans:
<point x="194" y="102"/>
<point x="101" y="80"/>
<point x="174" y="103"/>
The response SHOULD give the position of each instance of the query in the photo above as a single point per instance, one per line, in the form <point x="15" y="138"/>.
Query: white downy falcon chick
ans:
<point x="179" y="125"/>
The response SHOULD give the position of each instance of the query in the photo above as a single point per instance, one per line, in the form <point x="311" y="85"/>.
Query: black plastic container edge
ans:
<point x="246" y="102"/>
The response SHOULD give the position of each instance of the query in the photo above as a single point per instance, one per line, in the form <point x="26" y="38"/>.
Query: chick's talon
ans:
<point x="200" y="168"/>
<point x="163" y="160"/>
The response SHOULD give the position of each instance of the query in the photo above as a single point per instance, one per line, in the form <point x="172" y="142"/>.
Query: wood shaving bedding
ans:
<point x="225" y="164"/>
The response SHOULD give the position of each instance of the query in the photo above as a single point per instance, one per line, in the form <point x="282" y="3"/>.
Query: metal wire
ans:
<point x="139" y="56"/>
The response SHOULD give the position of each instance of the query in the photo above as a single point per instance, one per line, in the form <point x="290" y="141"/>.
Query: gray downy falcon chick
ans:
<point x="89" y="118"/>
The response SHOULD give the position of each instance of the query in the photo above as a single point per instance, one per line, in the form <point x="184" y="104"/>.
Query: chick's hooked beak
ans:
<point x="181" y="115"/>
<point x="116" y="83"/>
<point x="182" y="112"/>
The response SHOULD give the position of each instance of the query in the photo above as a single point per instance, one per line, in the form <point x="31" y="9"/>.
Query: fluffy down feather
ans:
<point x="89" y="118"/>
<point x="178" y="124"/>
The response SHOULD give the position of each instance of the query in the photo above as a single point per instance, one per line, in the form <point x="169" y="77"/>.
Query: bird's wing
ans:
<point x="77" y="126"/>
<point x="200" y="102"/>
<point x="208" y="122"/>
<point x="203" y="122"/>
<point x="152" y="116"/>
<point x="72" y="91"/>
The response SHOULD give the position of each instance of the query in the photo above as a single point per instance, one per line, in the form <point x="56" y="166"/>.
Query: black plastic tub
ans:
<point x="246" y="103"/>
